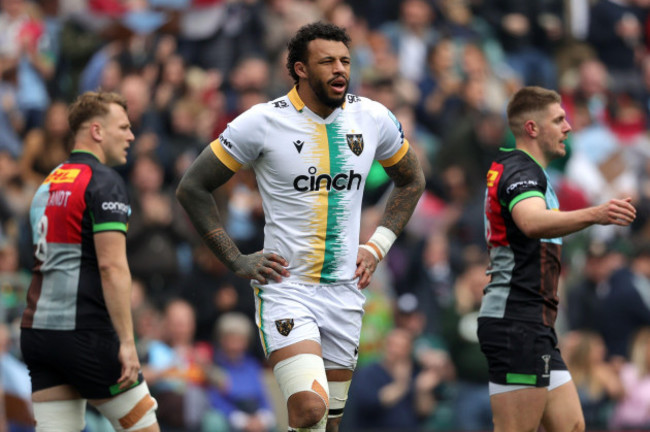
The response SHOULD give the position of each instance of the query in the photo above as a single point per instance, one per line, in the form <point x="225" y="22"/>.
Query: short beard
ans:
<point x="320" y="90"/>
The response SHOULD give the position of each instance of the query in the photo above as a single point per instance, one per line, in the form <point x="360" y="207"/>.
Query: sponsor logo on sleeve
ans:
<point x="524" y="183"/>
<point x="225" y="141"/>
<point x="116" y="207"/>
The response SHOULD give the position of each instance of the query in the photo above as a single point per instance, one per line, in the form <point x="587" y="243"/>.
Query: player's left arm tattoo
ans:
<point x="409" y="182"/>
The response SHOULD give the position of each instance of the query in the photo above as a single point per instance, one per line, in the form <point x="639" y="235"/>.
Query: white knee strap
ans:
<point x="60" y="416"/>
<point x="304" y="372"/>
<point x="131" y="410"/>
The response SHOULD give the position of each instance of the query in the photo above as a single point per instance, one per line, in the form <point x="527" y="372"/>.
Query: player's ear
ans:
<point x="96" y="131"/>
<point x="531" y="128"/>
<point x="301" y="69"/>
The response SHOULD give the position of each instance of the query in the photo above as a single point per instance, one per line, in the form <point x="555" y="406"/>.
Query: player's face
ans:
<point x="117" y="135"/>
<point x="328" y="68"/>
<point x="553" y="131"/>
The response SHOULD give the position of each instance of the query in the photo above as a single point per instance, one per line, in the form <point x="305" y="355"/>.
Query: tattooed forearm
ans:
<point x="222" y="246"/>
<point x="409" y="185"/>
<point x="195" y="195"/>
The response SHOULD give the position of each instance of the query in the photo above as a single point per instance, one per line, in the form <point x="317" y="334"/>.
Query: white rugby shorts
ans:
<point x="331" y="314"/>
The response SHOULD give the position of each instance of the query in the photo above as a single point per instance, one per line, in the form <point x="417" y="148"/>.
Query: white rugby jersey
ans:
<point x="311" y="174"/>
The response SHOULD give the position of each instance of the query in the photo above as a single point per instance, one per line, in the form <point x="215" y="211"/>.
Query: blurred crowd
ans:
<point x="446" y="69"/>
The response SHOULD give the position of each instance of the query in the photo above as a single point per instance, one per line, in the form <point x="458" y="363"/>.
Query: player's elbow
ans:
<point x="419" y="183"/>
<point x="183" y="194"/>
<point x="531" y="230"/>
<point x="112" y="269"/>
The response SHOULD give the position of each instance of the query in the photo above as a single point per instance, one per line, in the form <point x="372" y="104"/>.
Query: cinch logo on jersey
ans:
<point x="314" y="182"/>
<point x="63" y="176"/>
<point x="115" y="206"/>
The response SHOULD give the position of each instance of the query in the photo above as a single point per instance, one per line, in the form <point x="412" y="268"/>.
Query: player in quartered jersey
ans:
<point x="77" y="331"/>
<point x="311" y="151"/>
<point x="524" y="226"/>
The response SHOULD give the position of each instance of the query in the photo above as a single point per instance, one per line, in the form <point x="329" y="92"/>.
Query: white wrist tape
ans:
<point x="380" y="242"/>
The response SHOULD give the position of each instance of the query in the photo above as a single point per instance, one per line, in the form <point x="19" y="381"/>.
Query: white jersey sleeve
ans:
<point x="391" y="146"/>
<point x="242" y="141"/>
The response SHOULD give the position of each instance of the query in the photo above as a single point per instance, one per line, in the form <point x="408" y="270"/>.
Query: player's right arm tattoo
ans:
<point x="409" y="182"/>
<point x="194" y="192"/>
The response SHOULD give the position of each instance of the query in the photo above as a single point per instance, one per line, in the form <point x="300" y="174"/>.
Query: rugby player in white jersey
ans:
<point x="311" y="151"/>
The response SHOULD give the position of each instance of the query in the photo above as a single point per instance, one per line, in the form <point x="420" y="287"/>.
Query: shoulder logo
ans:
<point x="299" y="144"/>
<point x="491" y="177"/>
<point x="355" y="142"/>
<point x="353" y="98"/>
<point x="225" y="141"/>
<point x="280" y="104"/>
<point x="284" y="326"/>
<point x="63" y="175"/>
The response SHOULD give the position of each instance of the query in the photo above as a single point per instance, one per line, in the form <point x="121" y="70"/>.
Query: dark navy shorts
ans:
<point x="519" y="352"/>
<point x="84" y="359"/>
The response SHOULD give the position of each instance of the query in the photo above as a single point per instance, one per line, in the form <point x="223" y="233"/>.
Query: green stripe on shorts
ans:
<point x="513" y="378"/>
<point x="258" y="294"/>
<point x="115" y="388"/>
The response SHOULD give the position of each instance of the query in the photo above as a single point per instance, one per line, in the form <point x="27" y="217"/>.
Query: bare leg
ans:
<point x="337" y="375"/>
<point x="519" y="410"/>
<point x="563" y="410"/>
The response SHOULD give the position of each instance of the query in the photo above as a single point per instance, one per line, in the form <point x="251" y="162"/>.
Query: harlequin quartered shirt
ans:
<point x="524" y="272"/>
<point x="311" y="173"/>
<point x="78" y="199"/>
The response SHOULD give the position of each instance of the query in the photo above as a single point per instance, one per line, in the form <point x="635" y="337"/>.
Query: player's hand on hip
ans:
<point x="128" y="357"/>
<point x="366" y="266"/>
<point x="262" y="267"/>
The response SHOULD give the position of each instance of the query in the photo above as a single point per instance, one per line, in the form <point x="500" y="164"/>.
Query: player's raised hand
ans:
<point x="262" y="267"/>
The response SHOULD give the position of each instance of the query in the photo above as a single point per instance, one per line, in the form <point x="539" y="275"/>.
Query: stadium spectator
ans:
<point x="158" y="231"/>
<point x="624" y="307"/>
<point x="394" y="393"/>
<point x="45" y="148"/>
<point x="411" y="37"/>
<point x="179" y="370"/>
<point x="459" y="323"/>
<point x="597" y="381"/>
<point x="243" y="400"/>
<point x="633" y="410"/>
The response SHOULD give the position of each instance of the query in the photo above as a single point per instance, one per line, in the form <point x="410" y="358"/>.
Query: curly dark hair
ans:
<point x="307" y="33"/>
